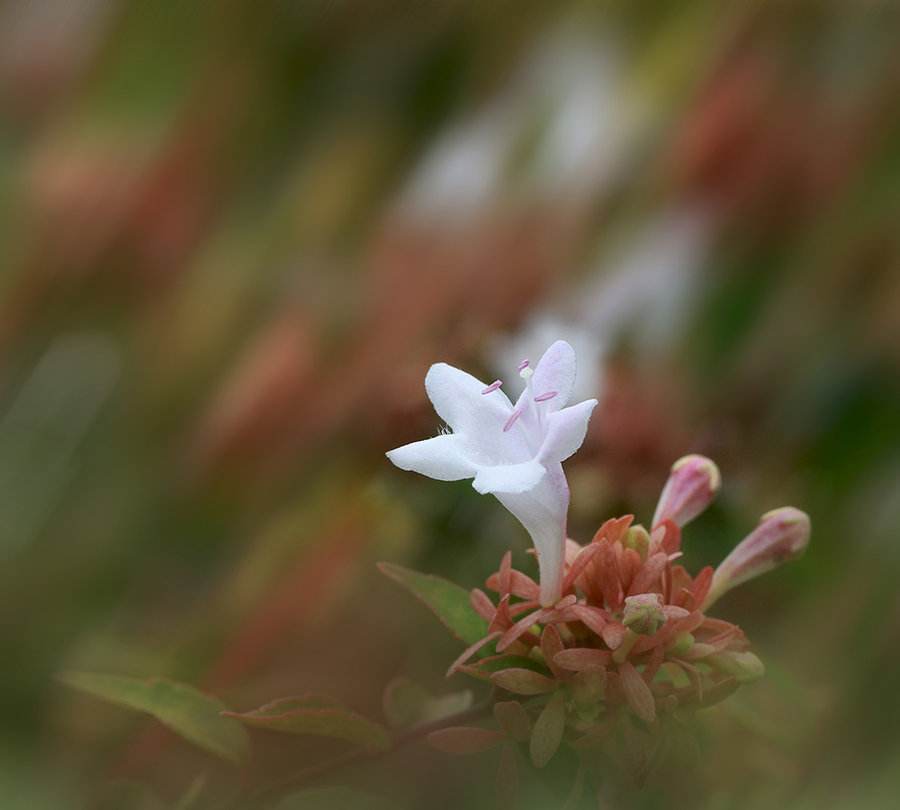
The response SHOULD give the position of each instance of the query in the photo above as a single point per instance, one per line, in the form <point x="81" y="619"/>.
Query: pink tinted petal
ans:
<point x="555" y="371"/>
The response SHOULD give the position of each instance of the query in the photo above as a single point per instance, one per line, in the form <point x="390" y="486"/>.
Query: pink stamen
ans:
<point x="492" y="387"/>
<point x="545" y="397"/>
<point x="512" y="419"/>
<point x="523" y="365"/>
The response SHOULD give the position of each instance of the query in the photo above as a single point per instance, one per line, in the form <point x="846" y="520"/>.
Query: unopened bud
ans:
<point x="743" y="666"/>
<point x="781" y="535"/>
<point x="638" y="538"/>
<point x="643" y="613"/>
<point x="693" y="483"/>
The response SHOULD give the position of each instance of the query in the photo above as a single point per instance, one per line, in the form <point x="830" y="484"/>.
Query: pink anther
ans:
<point x="492" y="387"/>
<point x="512" y="419"/>
<point x="523" y="365"/>
<point x="544" y="397"/>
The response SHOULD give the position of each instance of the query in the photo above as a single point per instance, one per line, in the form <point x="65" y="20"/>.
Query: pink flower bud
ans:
<point x="781" y="535"/>
<point x="692" y="485"/>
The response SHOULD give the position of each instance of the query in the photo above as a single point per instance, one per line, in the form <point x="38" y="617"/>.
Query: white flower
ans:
<point x="512" y="452"/>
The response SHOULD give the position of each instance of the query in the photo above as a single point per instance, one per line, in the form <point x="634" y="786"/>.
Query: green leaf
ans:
<point x="317" y="716"/>
<point x="448" y="601"/>
<point x="407" y="704"/>
<point x="334" y="798"/>
<point x="187" y="711"/>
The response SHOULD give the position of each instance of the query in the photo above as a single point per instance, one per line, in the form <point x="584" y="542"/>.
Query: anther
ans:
<point x="546" y="396"/>
<point x="492" y="387"/>
<point x="512" y="419"/>
<point x="523" y="365"/>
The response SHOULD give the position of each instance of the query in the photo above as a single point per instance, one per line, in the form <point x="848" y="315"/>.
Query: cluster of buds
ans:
<point x="630" y="636"/>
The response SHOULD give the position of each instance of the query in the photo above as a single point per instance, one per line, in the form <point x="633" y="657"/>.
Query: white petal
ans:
<point x="566" y="430"/>
<point x="555" y="371"/>
<point x="508" y="478"/>
<point x="542" y="511"/>
<point x="476" y="417"/>
<point x="441" y="457"/>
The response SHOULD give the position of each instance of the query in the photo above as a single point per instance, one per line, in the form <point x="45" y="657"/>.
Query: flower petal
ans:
<point x="555" y="371"/>
<point x="478" y="418"/>
<point x="566" y="430"/>
<point x="441" y="457"/>
<point x="509" y="478"/>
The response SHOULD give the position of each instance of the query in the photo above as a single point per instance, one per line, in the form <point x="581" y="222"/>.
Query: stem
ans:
<point x="273" y="791"/>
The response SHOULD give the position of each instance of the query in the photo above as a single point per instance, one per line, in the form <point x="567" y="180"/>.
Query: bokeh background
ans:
<point x="234" y="235"/>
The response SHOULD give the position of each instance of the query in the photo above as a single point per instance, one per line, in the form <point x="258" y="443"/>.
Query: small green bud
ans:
<point x="744" y="666"/>
<point x="681" y="644"/>
<point x="643" y="613"/>
<point x="638" y="538"/>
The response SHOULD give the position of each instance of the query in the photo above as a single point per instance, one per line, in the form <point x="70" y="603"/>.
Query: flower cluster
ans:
<point x="614" y="629"/>
<point x="630" y="633"/>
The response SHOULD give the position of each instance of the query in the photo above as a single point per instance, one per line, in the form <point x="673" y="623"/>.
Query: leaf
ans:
<point x="465" y="739"/>
<point x="548" y="731"/>
<point x="191" y="796"/>
<point x="637" y="693"/>
<point x="506" y="786"/>
<point x="187" y="711"/>
<point x="523" y="681"/>
<point x="334" y="798"/>
<point x="319" y="717"/>
<point x="407" y="704"/>
<point x="513" y="719"/>
<point x="484" y="668"/>
<point x="448" y="601"/>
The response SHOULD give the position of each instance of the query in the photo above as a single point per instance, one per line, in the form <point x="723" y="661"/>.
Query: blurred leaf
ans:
<point x="465" y="739"/>
<point x="513" y="719"/>
<point x="448" y="601"/>
<point x="334" y="798"/>
<point x="506" y="785"/>
<point x="317" y="716"/>
<point x="408" y="704"/>
<point x="187" y="711"/>
<point x="189" y="799"/>
<point x="548" y="731"/>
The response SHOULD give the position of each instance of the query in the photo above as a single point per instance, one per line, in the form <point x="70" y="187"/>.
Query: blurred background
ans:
<point x="234" y="235"/>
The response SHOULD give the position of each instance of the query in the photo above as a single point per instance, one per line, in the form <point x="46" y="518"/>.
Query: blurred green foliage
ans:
<point x="234" y="235"/>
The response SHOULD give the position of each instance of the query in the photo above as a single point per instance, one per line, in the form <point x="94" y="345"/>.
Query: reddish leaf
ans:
<point x="482" y="604"/>
<point x="547" y="733"/>
<point x="513" y="719"/>
<point x="592" y="618"/>
<point x="523" y="682"/>
<point x="470" y="651"/>
<point x="520" y="628"/>
<point x="585" y="556"/>
<point x="649" y="574"/>
<point x="637" y="693"/>
<point x="551" y="644"/>
<point x="507" y="784"/>
<point x="578" y="659"/>
<point x="464" y="739"/>
<point x="701" y="586"/>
